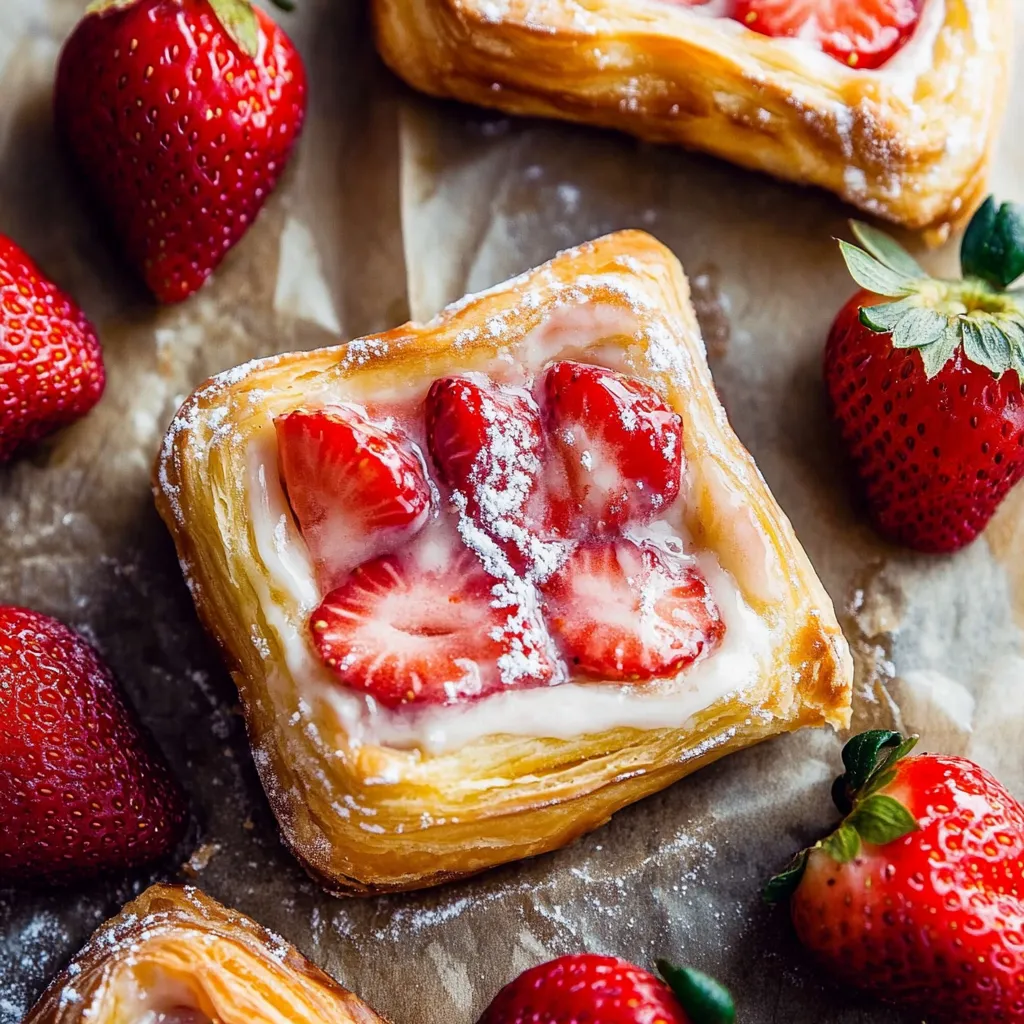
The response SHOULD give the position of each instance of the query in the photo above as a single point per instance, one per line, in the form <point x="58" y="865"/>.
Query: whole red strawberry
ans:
<point x="81" y="788"/>
<point x="918" y="896"/>
<point x="181" y="116"/>
<point x="51" y="366"/>
<point x="588" y="989"/>
<point x="926" y="387"/>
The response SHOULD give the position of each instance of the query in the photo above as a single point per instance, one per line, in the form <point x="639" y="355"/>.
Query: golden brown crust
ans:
<point x="367" y="817"/>
<point x="912" y="144"/>
<point x="174" y="947"/>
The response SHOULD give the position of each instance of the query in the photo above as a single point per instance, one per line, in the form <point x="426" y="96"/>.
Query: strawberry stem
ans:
<point x="937" y="318"/>
<point x="704" y="999"/>
<point x="869" y="816"/>
<point x="993" y="245"/>
<point x="861" y="761"/>
<point x="781" y="886"/>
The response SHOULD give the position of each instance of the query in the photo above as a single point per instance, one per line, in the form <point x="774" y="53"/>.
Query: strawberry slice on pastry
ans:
<point x="357" y="489"/>
<point x="619" y="443"/>
<point x="624" y="611"/>
<point x="487" y="442"/>
<point x="406" y="631"/>
<point x="858" y="33"/>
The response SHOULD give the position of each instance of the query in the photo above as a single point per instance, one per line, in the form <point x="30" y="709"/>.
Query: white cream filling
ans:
<point x="163" y="1001"/>
<point x="560" y="711"/>
<point x="175" y="1015"/>
<point x="917" y="55"/>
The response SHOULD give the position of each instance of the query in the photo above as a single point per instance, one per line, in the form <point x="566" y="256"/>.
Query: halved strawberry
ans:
<point x="411" y="629"/>
<point x="357" y="489"/>
<point x="624" y="611"/>
<point x="621" y="445"/>
<point x="487" y="443"/>
<point x="859" y="33"/>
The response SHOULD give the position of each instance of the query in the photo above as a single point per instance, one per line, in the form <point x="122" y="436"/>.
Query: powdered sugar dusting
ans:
<point x="362" y="351"/>
<point x="528" y="646"/>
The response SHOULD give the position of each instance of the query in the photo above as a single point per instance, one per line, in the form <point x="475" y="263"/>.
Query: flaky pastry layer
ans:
<point x="174" y="950"/>
<point x="366" y="817"/>
<point x="911" y="141"/>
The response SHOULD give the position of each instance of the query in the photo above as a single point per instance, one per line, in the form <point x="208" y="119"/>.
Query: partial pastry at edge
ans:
<point x="176" y="955"/>
<point x="910" y="141"/>
<point x="397" y="543"/>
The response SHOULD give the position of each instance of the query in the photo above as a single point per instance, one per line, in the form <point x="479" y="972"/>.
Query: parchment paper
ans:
<point x="397" y="204"/>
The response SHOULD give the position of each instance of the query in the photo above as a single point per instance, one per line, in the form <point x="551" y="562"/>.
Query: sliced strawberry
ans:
<point x="859" y="33"/>
<point x="357" y="489"/>
<point x="410" y="630"/>
<point x="623" y="611"/>
<point x="621" y="445"/>
<point x="487" y="443"/>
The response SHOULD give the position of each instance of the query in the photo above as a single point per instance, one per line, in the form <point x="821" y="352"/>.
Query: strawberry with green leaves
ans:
<point x="586" y="988"/>
<point x="918" y="895"/>
<point x="180" y="115"/>
<point x="924" y="377"/>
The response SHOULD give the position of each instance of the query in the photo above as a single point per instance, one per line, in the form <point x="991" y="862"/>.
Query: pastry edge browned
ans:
<point x="161" y="910"/>
<point x="746" y="101"/>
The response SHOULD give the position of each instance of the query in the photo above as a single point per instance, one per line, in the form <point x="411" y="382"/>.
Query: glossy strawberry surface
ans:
<point x="406" y="631"/>
<point x="623" y="611"/>
<point x="179" y="134"/>
<point x="933" y="920"/>
<point x="51" y="365"/>
<point x="858" y="33"/>
<point x="82" y="789"/>
<point x="487" y="444"/>
<point x="934" y="457"/>
<point x="585" y="989"/>
<point x="358" y="489"/>
<point x="522" y="576"/>
<point x="619" y="442"/>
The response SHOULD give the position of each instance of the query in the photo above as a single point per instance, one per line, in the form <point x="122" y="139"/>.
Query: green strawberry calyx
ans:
<point x="238" y="17"/>
<point x="870" y="816"/>
<point x="935" y="316"/>
<point x="705" y="1000"/>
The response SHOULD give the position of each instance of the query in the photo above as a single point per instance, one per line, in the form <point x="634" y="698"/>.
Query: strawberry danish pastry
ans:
<point x="176" y="956"/>
<point x="484" y="581"/>
<point x="892" y="104"/>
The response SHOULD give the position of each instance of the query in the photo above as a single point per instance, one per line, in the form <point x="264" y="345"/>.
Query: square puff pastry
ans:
<point x="176" y="955"/>
<point x="910" y="141"/>
<point x="371" y="804"/>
